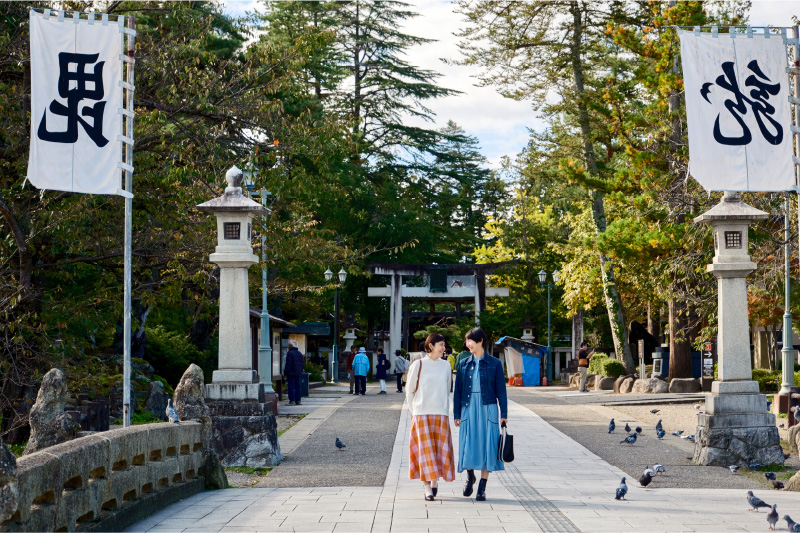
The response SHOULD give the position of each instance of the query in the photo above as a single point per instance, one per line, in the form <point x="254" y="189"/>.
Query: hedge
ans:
<point x="602" y="364"/>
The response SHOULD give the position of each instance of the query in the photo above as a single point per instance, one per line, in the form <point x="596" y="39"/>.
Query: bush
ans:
<point x="602" y="364"/>
<point x="171" y="354"/>
<point x="768" y="380"/>
<point x="314" y="370"/>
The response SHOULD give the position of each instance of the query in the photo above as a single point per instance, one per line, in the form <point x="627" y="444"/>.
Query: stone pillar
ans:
<point x="244" y="429"/>
<point x="736" y="427"/>
<point x="395" y="312"/>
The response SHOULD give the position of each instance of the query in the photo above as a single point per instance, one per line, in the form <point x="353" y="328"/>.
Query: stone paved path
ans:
<point x="555" y="484"/>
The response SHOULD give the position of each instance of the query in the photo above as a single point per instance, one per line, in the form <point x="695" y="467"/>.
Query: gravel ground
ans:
<point x="367" y="425"/>
<point x="583" y="419"/>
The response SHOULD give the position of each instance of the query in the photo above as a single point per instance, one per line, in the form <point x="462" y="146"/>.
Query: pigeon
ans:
<point x="660" y="433"/>
<point x="611" y="426"/>
<point x="638" y="429"/>
<point x="630" y="439"/>
<point x="733" y="468"/>
<point x="340" y="444"/>
<point x="780" y="425"/>
<point x="796" y="413"/>
<point x="171" y="412"/>
<point x="688" y="437"/>
<point x="772" y="517"/>
<point x="622" y="490"/>
<point x="790" y="524"/>
<point x="627" y="428"/>
<point x="650" y="470"/>
<point x="697" y="407"/>
<point x="645" y="479"/>
<point x="654" y="411"/>
<point x="770" y="475"/>
<point x="658" y="425"/>
<point x="754" y="502"/>
<point x="659" y="468"/>
<point x="678" y="433"/>
<point x="754" y="465"/>
<point x="777" y="485"/>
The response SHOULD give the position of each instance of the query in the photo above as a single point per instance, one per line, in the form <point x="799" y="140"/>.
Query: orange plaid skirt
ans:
<point x="430" y="451"/>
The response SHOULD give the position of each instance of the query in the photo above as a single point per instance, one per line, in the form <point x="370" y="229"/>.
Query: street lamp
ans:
<point x="264" y="345"/>
<point x="335" y="363"/>
<point x="542" y="279"/>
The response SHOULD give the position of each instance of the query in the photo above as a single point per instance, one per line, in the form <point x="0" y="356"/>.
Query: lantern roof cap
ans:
<point x="731" y="208"/>
<point x="234" y="199"/>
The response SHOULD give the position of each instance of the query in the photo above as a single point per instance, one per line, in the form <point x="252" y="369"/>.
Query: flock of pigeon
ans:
<point x="650" y="473"/>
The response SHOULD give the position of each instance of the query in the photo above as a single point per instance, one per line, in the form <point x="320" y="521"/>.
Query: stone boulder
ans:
<point x="247" y="441"/>
<point x="618" y="382"/>
<point x="9" y="489"/>
<point x="190" y="397"/>
<point x="574" y="381"/>
<point x="590" y="381"/>
<point x="650" y="386"/>
<point x="50" y="425"/>
<point x="156" y="401"/>
<point x="604" y="383"/>
<point x="794" y="432"/>
<point x="627" y="385"/>
<point x="682" y="385"/>
<point x="213" y="471"/>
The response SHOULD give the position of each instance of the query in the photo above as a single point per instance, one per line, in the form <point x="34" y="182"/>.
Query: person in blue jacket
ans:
<point x="293" y="369"/>
<point x="480" y="392"/>
<point x="360" y="369"/>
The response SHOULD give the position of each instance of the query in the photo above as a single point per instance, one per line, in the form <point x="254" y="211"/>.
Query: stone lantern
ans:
<point x="349" y="336"/>
<point x="736" y="427"/>
<point x="244" y="428"/>
<point x="527" y="329"/>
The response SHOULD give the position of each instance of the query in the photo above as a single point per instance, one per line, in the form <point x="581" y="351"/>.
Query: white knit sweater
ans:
<point x="433" y="395"/>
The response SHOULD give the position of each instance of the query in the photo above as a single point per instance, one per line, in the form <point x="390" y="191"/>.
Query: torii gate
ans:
<point x="460" y="283"/>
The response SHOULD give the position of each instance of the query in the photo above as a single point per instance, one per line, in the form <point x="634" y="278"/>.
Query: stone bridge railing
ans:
<point x="110" y="480"/>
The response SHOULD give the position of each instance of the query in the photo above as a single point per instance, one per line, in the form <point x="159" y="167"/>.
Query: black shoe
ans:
<point x="435" y="491"/>
<point x="470" y="482"/>
<point x="297" y="403"/>
<point x="401" y="392"/>
<point x="481" y="496"/>
<point x="351" y="392"/>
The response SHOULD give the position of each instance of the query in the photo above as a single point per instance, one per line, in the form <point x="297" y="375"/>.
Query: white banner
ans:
<point x="76" y="100"/>
<point x="737" y="106"/>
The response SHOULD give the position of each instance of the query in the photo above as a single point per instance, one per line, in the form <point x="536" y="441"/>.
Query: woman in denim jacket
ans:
<point x="480" y="390"/>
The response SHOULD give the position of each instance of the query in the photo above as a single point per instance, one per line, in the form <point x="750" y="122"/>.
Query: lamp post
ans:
<point x="542" y="279"/>
<point x="335" y="364"/>
<point x="264" y="345"/>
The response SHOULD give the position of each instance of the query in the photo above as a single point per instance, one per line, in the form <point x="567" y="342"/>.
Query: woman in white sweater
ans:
<point x="430" y="454"/>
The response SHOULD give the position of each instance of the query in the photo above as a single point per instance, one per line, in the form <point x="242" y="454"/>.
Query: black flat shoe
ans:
<point x="470" y="482"/>
<point x="435" y="491"/>
<point x="481" y="496"/>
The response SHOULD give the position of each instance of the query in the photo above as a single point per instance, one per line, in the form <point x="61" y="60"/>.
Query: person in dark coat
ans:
<point x="382" y="368"/>
<point x="293" y="369"/>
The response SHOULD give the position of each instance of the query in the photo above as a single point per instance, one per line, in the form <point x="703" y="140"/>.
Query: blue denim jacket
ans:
<point x="493" y="384"/>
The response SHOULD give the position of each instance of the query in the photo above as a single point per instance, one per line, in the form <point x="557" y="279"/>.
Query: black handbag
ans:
<point x="505" y="448"/>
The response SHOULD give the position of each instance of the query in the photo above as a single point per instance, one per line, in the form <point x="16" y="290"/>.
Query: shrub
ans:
<point x="768" y="380"/>
<point x="602" y="364"/>
<point x="314" y="370"/>
<point x="171" y="354"/>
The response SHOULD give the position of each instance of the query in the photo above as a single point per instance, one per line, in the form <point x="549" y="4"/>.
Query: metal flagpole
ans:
<point x="129" y="59"/>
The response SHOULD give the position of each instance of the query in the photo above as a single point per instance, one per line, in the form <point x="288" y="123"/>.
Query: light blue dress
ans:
<point x="479" y="432"/>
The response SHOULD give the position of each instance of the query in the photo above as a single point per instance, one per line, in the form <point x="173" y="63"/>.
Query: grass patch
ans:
<point x="18" y="449"/>
<point x="249" y="470"/>
<point x="786" y="476"/>
<point x="298" y="417"/>
<point x="776" y="468"/>
<point x="783" y="415"/>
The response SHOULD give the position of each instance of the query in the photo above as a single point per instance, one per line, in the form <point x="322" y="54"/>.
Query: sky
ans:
<point x="500" y="124"/>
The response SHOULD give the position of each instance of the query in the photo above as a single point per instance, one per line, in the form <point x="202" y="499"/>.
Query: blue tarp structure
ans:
<point x="524" y="358"/>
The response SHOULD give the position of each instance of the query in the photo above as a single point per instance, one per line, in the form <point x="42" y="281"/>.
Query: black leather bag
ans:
<point x="505" y="448"/>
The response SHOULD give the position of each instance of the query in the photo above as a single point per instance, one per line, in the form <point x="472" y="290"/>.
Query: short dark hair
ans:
<point x="477" y="335"/>
<point x="379" y="349"/>
<point x="432" y="339"/>
<point x="584" y="343"/>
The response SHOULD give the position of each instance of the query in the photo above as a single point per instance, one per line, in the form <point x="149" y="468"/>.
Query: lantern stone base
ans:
<point x="244" y="430"/>
<point x="737" y="428"/>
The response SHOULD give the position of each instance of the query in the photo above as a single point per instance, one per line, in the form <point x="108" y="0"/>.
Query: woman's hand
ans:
<point x="504" y="421"/>
<point x="457" y="422"/>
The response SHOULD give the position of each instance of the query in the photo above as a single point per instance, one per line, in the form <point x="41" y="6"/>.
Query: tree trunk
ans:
<point x="654" y="319"/>
<point x="680" y="357"/>
<point x="616" y="314"/>
<point x="25" y="257"/>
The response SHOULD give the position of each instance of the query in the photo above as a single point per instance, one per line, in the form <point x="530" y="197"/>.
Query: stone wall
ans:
<point x="110" y="480"/>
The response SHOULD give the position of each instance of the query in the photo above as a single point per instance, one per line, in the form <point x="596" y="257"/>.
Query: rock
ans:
<point x="50" y="425"/>
<point x="247" y="440"/>
<point x="680" y="385"/>
<point x="574" y="381"/>
<point x="618" y="382"/>
<point x="627" y="385"/>
<point x="190" y="398"/>
<point x="213" y="471"/>
<point x="650" y="386"/>
<point x="793" y="434"/>
<point x="9" y="488"/>
<point x="590" y="379"/>
<point x="604" y="383"/>
<point x="156" y="401"/>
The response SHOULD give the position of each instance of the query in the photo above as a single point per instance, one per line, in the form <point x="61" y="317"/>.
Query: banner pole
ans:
<point x="126" y="387"/>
